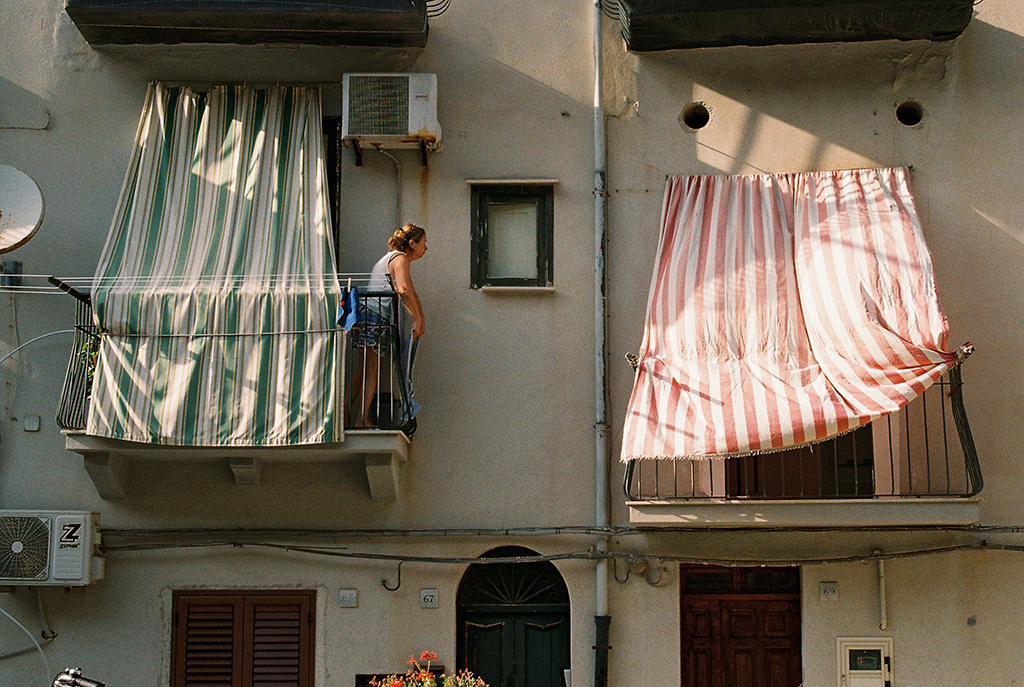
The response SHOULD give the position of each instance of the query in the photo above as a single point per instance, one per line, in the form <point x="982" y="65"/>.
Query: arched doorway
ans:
<point x="512" y="621"/>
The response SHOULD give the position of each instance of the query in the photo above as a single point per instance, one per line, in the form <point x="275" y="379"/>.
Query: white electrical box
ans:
<point x="865" y="661"/>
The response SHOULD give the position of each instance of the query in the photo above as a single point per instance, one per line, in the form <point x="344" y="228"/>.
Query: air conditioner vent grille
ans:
<point x="379" y="105"/>
<point x="24" y="547"/>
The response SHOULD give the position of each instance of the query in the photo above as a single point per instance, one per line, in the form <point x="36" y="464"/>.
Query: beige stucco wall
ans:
<point x="506" y="434"/>
<point x="804" y="108"/>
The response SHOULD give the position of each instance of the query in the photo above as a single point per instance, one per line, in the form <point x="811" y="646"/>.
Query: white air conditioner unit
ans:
<point x="390" y="110"/>
<point x="57" y="548"/>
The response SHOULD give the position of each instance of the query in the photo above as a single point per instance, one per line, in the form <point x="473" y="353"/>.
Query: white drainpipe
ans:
<point x="600" y="410"/>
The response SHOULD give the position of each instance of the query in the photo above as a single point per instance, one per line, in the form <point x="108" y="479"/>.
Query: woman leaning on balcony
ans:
<point x="371" y="330"/>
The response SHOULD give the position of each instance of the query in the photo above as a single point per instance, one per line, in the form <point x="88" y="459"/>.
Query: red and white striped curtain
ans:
<point x="784" y="309"/>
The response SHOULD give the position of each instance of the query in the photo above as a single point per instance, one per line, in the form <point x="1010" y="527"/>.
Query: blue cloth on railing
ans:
<point x="371" y="330"/>
<point x="349" y="308"/>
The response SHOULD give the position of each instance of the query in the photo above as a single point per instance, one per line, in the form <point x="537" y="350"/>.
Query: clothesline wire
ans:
<point x="315" y="281"/>
<point x="92" y="279"/>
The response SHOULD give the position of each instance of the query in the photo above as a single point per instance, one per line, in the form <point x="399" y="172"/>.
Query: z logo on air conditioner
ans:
<point x="70" y="537"/>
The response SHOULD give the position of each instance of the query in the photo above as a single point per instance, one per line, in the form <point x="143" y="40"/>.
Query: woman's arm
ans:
<point x="399" y="269"/>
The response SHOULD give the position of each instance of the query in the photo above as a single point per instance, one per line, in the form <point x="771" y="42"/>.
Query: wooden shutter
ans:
<point x="279" y="652"/>
<point x="207" y="636"/>
<point x="243" y="639"/>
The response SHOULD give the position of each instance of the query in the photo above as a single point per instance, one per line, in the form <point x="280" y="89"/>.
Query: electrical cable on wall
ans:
<point x="31" y="341"/>
<point x="42" y="654"/>
<point x="551" y="530"/>
<point x="588" y="555"/>
<point x="47" y="633"/>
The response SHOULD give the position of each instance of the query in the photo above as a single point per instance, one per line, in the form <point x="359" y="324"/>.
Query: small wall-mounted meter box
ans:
<point x="865" y="661"/>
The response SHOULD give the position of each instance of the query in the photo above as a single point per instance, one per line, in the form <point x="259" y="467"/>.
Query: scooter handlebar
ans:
<point x="72" y="677"/>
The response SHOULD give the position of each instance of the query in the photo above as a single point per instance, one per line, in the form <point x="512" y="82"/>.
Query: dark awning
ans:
<point x="671" y="24"/>
<point x="400" y="23"/>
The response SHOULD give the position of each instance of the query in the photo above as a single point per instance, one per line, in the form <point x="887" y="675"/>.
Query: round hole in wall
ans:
<point x="909" y="113"/>
<point x="695" y="116"/>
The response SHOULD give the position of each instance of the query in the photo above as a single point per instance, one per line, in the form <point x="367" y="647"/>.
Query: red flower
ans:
<point x="428" y="656"/>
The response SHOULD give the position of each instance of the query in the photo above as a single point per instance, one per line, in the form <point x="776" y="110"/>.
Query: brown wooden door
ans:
<point x="733" y="636"/>
<point x="741" y="642"/>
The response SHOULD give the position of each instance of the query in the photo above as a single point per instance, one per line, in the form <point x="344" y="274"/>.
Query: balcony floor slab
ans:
<point x="108" y="461"/>
<point x="815" y="513"/>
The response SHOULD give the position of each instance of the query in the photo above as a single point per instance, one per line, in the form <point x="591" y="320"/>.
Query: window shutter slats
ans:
<point x="277" y="642"/>
<point x="244" y="639"/>
<point x="206" y="639"/>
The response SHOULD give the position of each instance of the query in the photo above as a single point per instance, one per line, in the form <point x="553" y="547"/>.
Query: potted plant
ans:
<point x="419" y="676"/>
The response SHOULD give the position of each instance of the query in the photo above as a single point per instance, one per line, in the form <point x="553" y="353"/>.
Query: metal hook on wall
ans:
<point x="384" y="581"/>
<point x="615" y="572"/>
<point x="648" y="576"/>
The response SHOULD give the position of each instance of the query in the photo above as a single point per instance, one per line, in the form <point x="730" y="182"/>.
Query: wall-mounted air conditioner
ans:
<point x="390" y="110"/>
<point x="58" y="548"/>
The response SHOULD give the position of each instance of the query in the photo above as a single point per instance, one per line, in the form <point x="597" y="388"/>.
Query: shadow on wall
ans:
<point x="798" y="108"/>
<point x="769" y="111"/>
<point x="21" y="110"/>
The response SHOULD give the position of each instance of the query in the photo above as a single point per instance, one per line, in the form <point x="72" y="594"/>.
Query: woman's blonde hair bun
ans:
<point x="401" y="238"/>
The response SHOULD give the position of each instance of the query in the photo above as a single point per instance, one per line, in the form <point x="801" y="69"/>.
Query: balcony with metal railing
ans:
<point x="916" y="467"/>
<point x="380" y="359"/>
<point x="652" y="25"/>
<point x="377" y="23"/>
<point x="377" y="362"/>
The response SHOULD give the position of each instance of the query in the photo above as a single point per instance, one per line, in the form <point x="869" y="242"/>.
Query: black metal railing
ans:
<point x="926" y="449"/>
<point x="389" y="400"/>
<point x="378" y="394"/>
<point x="72" y="409"/>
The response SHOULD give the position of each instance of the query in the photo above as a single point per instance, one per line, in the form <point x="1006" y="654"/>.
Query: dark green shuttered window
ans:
<point x="513" y="234"/>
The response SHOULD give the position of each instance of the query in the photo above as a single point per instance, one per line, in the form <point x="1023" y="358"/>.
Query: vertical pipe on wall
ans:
<point x="883" y="613"/>
<point x="601" y="617"/>
<point x="601" y="648"/>
<point x="399" y="221"/>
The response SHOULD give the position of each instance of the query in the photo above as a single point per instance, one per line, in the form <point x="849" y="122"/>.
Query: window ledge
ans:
<point x="512" y="182"/>
<point x="108" y="460"/>
<point x="880" y="512"/>
<point x="517" y="290"/>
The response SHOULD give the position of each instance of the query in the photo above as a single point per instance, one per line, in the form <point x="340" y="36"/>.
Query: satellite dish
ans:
<point x="21" y="208"/>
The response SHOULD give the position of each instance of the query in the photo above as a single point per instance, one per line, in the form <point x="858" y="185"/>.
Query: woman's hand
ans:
<point x="418" y="327"/>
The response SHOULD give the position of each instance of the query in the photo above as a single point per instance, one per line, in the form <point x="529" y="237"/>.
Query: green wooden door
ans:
<point x="513" y="622"/>
<point x="528" y="648"/>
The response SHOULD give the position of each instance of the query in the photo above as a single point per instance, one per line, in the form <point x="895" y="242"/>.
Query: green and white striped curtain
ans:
<point x="215" y="293"/>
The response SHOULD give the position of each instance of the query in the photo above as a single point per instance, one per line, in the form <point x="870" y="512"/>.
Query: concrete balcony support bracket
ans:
<point x="382" y="475"/>
<point x="108" y="461"/>
<point x="109" y="473"/>
<point x="246" y="471"/>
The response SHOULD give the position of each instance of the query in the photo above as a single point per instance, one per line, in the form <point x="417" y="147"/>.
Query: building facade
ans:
<point x="375" y="547"/>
